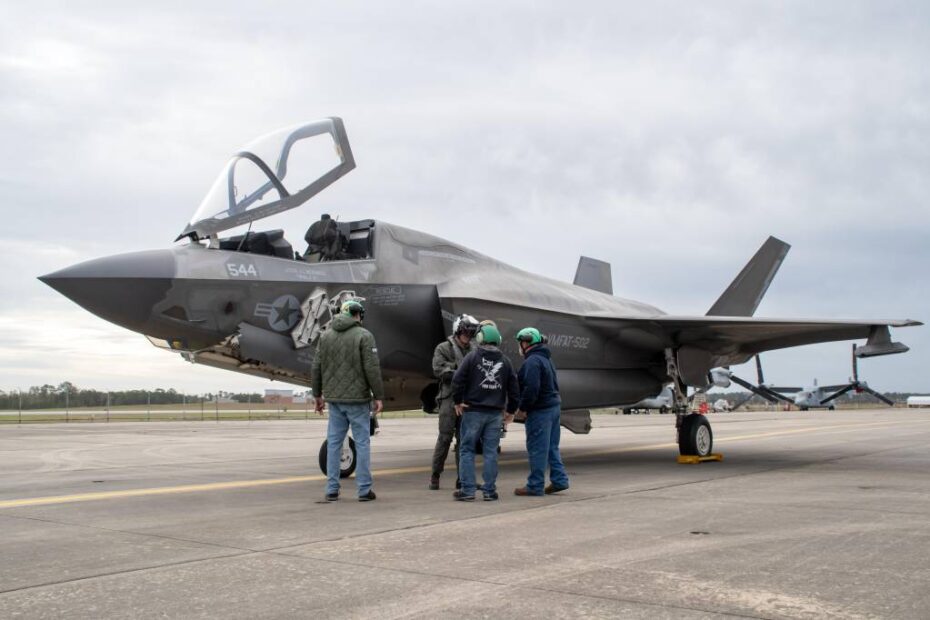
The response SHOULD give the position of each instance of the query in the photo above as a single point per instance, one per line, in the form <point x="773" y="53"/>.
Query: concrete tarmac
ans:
<point x="810" y="515"/>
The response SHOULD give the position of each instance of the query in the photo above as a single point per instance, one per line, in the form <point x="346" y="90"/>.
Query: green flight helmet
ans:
<point x="353" y="307"/>
<point x="488" y="334"/>
<point x="530" y="335"/>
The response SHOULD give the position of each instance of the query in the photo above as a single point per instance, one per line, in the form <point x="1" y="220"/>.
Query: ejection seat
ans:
<point x="268" y="243"/>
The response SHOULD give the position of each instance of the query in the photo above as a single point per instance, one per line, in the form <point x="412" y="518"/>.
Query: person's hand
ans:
<point x="520" y="416"/>
<point x="460" y="409"/>
<point x="379" y="407"/>
<point x="508" y="418"/>
<point x="319" y="405"/>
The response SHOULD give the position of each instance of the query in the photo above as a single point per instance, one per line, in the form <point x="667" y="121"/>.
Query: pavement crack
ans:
<point x="113" y="530"/>
<point x="126" y="571"/>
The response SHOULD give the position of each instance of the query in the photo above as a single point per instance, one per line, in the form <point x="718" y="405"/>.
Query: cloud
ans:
<point x="670" y="141"/>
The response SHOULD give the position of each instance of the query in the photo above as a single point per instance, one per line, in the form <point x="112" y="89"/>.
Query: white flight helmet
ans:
<point x="465" y="323"/>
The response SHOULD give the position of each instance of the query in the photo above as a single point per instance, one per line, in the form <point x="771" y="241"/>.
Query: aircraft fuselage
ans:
<point x="238" y="310"/>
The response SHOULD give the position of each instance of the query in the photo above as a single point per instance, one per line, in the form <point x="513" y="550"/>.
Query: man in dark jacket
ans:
<point x="347" y="373"/>
<point x="446" y="359"/>
<point x="482" y="387"/>
<point x="540" y="404"/>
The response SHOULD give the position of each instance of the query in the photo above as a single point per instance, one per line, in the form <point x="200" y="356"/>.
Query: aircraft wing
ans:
<point x="707" y="342"/>
<point x="702" y="342"/>
<point x="834" y="388"/>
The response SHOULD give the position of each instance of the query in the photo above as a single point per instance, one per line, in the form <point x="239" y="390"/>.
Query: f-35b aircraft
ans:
<point x="248" y="303"/>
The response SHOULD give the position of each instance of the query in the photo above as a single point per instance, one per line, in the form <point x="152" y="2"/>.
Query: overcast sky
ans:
<point x="670" y="141"/>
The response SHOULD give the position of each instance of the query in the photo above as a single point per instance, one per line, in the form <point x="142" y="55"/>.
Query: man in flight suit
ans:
<point x="446" y="359"/>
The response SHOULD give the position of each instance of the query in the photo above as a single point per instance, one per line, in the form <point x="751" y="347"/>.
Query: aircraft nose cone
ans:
<point x="121" y="289"/>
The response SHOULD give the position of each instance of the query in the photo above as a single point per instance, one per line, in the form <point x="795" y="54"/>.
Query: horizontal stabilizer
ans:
<point x="879" y="343"/>
<point x="594" y="274"/>
<point x="745" y="293"/>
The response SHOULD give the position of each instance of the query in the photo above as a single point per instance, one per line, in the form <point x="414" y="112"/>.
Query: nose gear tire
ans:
<point x="346" y="462"/>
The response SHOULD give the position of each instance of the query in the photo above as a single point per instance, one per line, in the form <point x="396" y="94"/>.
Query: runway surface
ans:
<point x="810" y="515"/>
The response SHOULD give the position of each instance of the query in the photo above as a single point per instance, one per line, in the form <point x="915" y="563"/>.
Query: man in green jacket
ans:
<point x="346" y="372"/>
<point x="446" y="359"/>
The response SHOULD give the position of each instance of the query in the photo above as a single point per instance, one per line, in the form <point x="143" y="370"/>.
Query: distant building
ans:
<point x="279" y="397"/>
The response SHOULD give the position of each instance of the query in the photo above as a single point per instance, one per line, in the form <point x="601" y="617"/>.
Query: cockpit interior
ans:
<point x="353" y="241"/>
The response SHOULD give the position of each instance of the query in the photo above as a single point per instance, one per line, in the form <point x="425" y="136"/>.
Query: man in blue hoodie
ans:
<point x="540" y="404"/>
<point x="482" y="387"/>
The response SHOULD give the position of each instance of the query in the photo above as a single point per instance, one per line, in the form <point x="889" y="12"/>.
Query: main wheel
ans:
<point x="695" y="437"/>
<point x="346" y="459"/>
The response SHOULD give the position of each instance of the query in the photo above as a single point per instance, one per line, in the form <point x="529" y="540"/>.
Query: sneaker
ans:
<point x="525" y="492"/>
<point x="491" y="497"/>
<point x="368" y="497"/>
<point x="555" y="488"/>
<point x="434" y="483"/>
<point x="332" y="497"/>
<point x="460" y="496"/>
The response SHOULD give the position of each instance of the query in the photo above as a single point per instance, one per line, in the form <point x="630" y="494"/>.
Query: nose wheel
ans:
<point x="346" y="457"/>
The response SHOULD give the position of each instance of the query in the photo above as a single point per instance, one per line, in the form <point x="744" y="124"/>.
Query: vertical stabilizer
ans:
<point x="594" y="274"/>
<point x="743" y="295"/>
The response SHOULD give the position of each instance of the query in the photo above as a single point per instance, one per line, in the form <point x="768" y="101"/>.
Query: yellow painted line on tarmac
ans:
<point x="672" y="444"/>
<point x="835" y="427"/>
<point x="396" y="471"/>
<point x="185" y="488"/>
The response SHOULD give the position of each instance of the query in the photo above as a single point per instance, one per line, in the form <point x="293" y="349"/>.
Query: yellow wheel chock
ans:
<point x="691" y="459"/>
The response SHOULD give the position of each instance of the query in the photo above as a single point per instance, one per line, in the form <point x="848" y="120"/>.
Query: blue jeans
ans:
<point x="341" y="415"/>
<point x="486" y="426"/>
<point x="542" y="446"/>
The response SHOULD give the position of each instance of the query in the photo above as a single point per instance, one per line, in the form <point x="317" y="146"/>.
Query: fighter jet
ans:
<point x="248" y="303"/>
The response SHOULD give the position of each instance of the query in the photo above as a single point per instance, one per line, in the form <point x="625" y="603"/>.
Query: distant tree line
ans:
<point x="67" y="394"/>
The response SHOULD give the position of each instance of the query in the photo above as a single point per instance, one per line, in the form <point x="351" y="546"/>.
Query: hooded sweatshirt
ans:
<point x="539" y="386"/>
<point x="346" y="368"/>
<point x="485" y="381"/>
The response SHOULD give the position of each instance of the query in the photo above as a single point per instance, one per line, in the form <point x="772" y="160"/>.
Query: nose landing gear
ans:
<point x="346" y="457"/>
<point x="348" y="454"/>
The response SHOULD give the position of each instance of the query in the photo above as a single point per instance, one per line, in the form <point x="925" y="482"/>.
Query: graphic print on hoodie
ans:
<point x="491" y="370"/>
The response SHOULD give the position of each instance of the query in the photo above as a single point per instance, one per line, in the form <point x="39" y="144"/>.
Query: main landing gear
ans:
<point x="695" y="437"/>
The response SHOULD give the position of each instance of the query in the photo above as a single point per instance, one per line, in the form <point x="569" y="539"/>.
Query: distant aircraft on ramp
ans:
<point x="813" y="396"/>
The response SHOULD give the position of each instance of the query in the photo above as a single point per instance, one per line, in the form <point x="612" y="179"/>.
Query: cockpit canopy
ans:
<point x="274" y="173"/>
